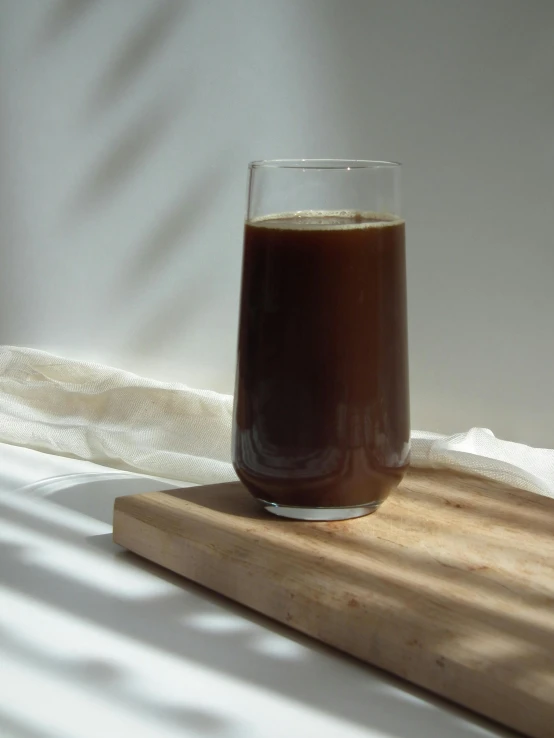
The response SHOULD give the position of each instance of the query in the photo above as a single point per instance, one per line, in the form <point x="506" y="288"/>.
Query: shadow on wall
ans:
<point x="126" y="157"/>
<point x="146" y="37"/>
<point x="162" y="249"/>
<point x="131" y="147"/>
<point x="60" y="17"/>
<point x="185" y="622"/>
<point x="14" y="728"/>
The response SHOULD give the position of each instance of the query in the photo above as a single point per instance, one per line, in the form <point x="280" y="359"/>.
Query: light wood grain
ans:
<point x="450" y="585"/>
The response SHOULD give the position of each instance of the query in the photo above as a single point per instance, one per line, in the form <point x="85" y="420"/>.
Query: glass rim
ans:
<point x="337" y="164"/>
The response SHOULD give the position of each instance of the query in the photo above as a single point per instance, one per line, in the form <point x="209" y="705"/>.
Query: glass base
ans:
<point x="320" y="513"/>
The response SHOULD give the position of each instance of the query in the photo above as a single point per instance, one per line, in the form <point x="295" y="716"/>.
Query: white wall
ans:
<point x="125" y="130"/>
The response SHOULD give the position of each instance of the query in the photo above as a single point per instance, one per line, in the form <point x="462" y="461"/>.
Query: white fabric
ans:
<point x="478" y="451"/>
<point x="119" y="419"/>
<point x="113" y="417"/>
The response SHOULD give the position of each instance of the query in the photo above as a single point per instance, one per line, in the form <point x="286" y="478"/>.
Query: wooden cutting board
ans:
<point x="450" y="585"/>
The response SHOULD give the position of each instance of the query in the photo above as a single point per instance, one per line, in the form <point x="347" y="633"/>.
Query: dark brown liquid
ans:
<point x="322" y="407"/>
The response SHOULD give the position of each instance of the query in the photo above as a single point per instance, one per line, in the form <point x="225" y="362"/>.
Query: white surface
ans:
<point x="95" y="642"/>
<point x="126" y="126"/>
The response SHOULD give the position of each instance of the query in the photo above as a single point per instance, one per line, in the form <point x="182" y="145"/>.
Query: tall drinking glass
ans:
<point x="321" y="427"/>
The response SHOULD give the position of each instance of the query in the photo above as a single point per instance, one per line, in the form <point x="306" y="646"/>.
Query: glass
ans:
<point x="321" y="427"/>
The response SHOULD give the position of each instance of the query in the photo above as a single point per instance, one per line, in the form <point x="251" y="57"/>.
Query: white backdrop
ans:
<point x="125" y="130"/>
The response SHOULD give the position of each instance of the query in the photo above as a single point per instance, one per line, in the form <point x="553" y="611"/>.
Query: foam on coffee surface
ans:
<point x="324" y="219"/>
